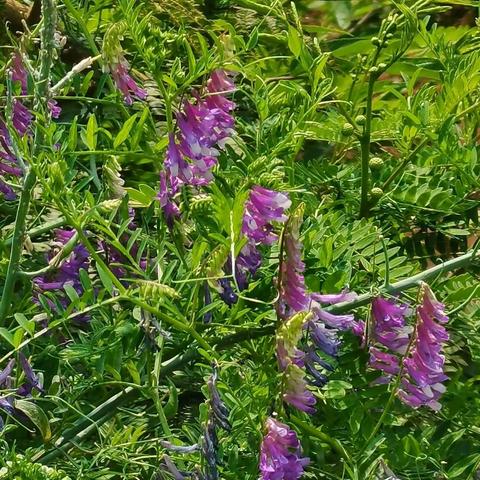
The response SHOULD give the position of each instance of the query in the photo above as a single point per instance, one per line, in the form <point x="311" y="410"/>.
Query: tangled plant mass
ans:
<point x="239" y="241"/>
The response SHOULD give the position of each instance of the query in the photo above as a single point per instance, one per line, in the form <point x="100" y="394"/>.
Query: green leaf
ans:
<point x="25" y="323"/>
<point x="36" y="415"/>
<point x="459" y="468"/>
<point x="171" y="407"/>
<point x="105" y="278"/>
<point x="124" y="131"/>
<point x="294" y="41"/>
<point x="91" y="133"/>
<point x="7" y="336"/>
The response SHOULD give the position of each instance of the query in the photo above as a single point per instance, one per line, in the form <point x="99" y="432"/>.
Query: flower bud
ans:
<point x="348" y="129"/>
<point x="375" y="41"/>
<point x="382" y="66"/>
<point x="376" y="163"/>
<point x="376" y="192"/>
<point x="373" y="70"/>
<point x="360" y="120"/>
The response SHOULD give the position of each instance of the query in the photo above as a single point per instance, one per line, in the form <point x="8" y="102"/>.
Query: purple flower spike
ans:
<point x="204" y="125"/>
<point x="296" y="392"/>
<point x="390" y="328"/>
<point x="55" y="110"/>
<point x="32" y="380"/>
<point x="425" y="365"/>
<point x="280" y="453"/>
<point x="19" y="72"/>
<point x="263" y="207"/>
<point x="22" y="118"/>
<point x="124" y="82"/>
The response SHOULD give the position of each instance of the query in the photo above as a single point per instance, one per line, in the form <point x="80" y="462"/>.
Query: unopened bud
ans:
<point x="375" y="41"/>
<point x="348" y="129"/>
<point x="360" y="120"/>
<point x="376" y="163"/>
<point x="376" y="192"/>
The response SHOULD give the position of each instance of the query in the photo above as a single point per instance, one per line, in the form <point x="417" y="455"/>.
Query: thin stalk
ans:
<point x="410" y="282"/>
<point x="401" y="167"/>
<point x="365" y="150"/>
<point x="17" y="245"/>
<point x="393" y="393"/>
<point x="183" y="327"/>
<point x="155" y="382"/>
<point x="37" y="231"/>
<point x="47" y="41"/>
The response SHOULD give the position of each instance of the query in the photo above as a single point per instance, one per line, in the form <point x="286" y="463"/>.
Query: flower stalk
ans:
<point x="47" y="48"/>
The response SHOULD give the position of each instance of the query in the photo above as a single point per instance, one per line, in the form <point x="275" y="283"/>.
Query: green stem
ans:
<point x="401" y="167"/>
<point x="183" y="327"/>
<point x="365" y="150"/>
<point x="410" y="282"/>
<point x="17" y="245"/>
<point x="315" y="432"/>
<point x="37" y="231"/>
<point x="47" y="49"/>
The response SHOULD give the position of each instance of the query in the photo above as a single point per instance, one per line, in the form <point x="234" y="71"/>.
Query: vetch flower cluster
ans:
<point x="322" y="326"/>
<point x="67" y="273"/>
<point x="392" y="333"/>
<point x="291" y="360"/>
<point x="118" y="66"/>
<point x="424" y="367"/>
<point x="280" y="453"/>
<point x="204" y="125"/>
<point x="262" y="208"/>
<point x="31" y="382"/>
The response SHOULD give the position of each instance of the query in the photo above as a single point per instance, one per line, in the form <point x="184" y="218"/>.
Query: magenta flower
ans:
<point x="203" y="127"/>
<point x="21" y="117"/>
<point x="19" y="72"/>
<point x="296" y="392"/>
<point x="280" y="453"/>
<point x="168" y="189"/>
<point x="425" y="365"/>
<point x="389" y="324"/>
<point x="263" y="207"/>
<point x="55" y="109"/>
<point x="68" y="273"/>
<point x="124" y="82"/>
<point x="386" y="362"/>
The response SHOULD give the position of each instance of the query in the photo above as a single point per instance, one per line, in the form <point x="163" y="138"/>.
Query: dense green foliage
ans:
<point x="364" y="111"/>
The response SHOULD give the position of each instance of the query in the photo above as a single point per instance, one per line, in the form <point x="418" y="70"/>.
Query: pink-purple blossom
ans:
<point x="424" y="367"/>
<point x="280" y="453"/>
<point x="203" y="126"/>
<point x="296" y="391"/>
<point x="124" y="82"/>
<point x="390" y="329"/>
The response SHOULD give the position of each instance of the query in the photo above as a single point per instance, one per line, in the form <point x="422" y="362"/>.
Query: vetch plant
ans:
<point x="239" y="241"/>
